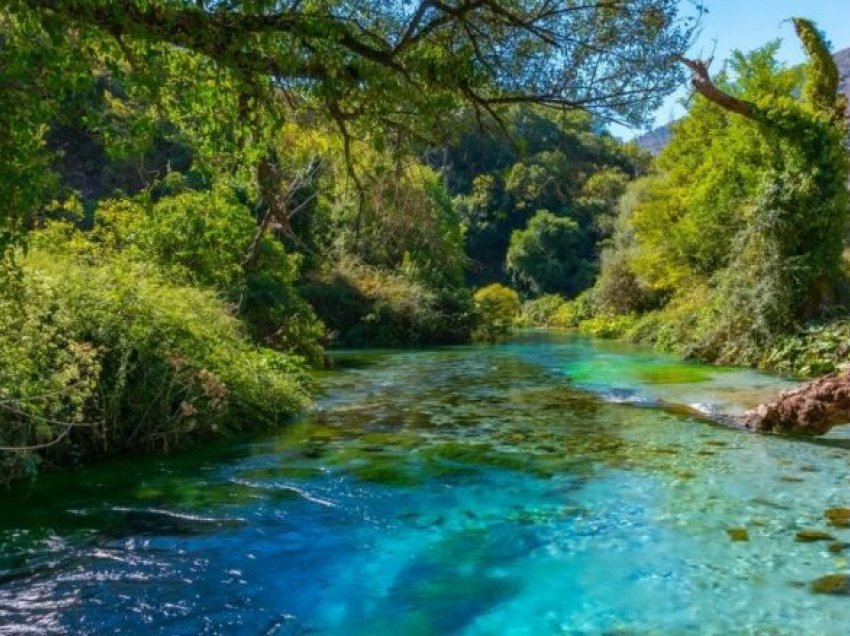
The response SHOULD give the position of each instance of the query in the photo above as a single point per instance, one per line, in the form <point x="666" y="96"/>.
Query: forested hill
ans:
<point x="654" y="141"/>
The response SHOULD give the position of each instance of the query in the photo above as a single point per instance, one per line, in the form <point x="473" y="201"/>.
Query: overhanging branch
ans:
<point x="702" y="83"/>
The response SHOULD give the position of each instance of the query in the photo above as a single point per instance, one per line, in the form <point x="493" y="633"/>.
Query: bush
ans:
<point x="496" y="308"/>
<point x="618" y="290"/>
<point x="202" y="238"/>
<point x="550" y="256"/>
<point x="572" y="313"/>
<point x="820" y="348"/>
<point x="367" y="306"/>
<point x="112" y="357"/>
<point x="540" y="312"/>
<point x="610" y="326"/>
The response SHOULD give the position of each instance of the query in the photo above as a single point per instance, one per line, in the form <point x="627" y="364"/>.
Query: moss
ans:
<point x="673" y="374"/>
<point x="837" y="584"/>
<point x="390" y="473"/>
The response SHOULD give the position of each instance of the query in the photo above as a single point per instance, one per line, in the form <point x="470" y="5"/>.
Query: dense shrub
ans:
<point x="541" y="311"/>
<point x="202" y="239"/>
<point x="819" y="348"/>
<point x="573" y="312"/>
<point x="550" y="255"/>
<point x="618" y="289"/>
<point x="111" y="357"/>
<point x="608" y="326"/>
<point x="363" y="305"/>
<point x="497" y="308"/>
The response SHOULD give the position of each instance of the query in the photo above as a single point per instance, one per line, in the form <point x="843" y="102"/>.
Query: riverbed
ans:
<point x="540" y="486"/>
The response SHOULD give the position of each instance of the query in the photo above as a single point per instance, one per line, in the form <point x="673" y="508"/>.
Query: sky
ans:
<point x="748" y="24"/>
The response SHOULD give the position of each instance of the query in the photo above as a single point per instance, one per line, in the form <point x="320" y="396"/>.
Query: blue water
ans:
<point x="535" y="487"/>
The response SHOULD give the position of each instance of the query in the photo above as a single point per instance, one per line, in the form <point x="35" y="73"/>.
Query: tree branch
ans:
<point x="702" y="83"/>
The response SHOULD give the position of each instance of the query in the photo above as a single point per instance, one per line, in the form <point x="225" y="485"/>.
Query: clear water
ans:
<point x="534" y="487"/>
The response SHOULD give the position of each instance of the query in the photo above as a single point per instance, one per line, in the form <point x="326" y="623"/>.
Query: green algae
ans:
<point x="672" y="374"/>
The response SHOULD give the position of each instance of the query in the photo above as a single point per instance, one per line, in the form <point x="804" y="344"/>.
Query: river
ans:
<point x="532" y="487"/>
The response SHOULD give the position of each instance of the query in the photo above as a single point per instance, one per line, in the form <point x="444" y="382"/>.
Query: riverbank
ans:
<point x="816" y="349"/>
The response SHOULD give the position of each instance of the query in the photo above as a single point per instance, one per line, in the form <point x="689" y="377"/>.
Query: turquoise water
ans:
<point x="535" y="487"/>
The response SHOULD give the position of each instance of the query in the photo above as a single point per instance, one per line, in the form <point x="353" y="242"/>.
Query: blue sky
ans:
<point x="747" y="24"/>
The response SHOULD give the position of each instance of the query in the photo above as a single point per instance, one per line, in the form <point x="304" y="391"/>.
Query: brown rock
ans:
<point x="738" y="534"/>
<point x="838" y="517"/>
<point x="838" y="584"/>
<point x="810" y="410"/>
<point x="808" y="536"/>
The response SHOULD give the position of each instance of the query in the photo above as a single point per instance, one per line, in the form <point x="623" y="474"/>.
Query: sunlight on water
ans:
<point x="526" y="488"/>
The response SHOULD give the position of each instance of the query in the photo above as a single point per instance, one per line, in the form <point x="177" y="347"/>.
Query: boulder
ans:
<point x="809" y="410"/>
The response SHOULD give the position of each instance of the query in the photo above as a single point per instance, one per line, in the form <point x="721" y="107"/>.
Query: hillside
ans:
<point x="655" y="140"/>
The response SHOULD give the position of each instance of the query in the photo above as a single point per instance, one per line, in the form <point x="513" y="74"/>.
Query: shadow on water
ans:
<point x="454" y="581"/>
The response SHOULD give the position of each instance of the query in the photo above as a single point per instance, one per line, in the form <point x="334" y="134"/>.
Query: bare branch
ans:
<point x="702" y="83"/>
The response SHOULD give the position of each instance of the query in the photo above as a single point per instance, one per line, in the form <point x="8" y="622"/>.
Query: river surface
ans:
<point x="534" y="487"/>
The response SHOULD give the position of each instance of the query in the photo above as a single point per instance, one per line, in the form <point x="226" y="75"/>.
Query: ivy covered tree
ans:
<point x="740" y="229"/>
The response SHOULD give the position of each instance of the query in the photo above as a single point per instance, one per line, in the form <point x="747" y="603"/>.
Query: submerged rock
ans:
<point x="809" y="410"/>
<point x="810" y="536"/>
<point x="838" y="517"/>
<point x="838" y="584"/>
<point x="738" y="534"/>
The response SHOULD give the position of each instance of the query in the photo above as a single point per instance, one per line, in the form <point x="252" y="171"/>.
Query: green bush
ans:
<point x="573" y="312"/>
<point x="550" y="255"/>
<point x="618" y="290"/>
<point x="98" y="359"/>
<point x="818" y="349"/>
<point x="608" y="326"/>
<point x="541" y="311"/>
<point x="202" y="239"/>
<point x="497" y="308"/>
<point x="364" y="305"/>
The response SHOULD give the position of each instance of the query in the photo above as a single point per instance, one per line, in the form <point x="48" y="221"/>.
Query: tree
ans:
<point x="550" y="256"/>
<point x="801" y="212"/>
<point x="227" y="73"/>
<point x="740" y="228"/>
<point x="497" y="307"/>
<point x="561" y="162"/>
<point x="388" y="59"/>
